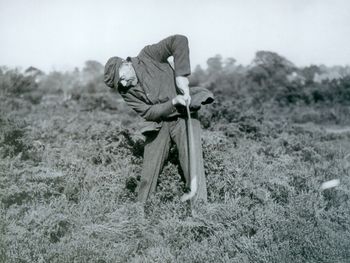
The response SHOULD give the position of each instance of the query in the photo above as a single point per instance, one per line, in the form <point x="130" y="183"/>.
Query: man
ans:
<point x="159" y="93"/>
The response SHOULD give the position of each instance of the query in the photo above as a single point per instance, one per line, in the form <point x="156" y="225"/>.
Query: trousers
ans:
<point x="156" y="152"/>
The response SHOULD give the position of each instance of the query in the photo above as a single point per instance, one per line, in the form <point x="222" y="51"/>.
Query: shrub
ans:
<point x="12" y="139"/>
<point x="72" y="199"/>
<point x="15" y="84"/>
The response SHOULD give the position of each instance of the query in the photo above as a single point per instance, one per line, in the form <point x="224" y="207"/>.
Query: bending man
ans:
<point x="159" y="93"/>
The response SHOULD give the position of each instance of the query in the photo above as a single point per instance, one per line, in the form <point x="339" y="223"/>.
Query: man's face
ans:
<point x="127" y="75"/>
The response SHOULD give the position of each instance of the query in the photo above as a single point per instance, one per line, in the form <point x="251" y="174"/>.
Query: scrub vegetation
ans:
<point x="71" y="155"/>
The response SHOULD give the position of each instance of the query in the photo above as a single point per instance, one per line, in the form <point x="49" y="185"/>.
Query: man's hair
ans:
<point x="111" y="74"/>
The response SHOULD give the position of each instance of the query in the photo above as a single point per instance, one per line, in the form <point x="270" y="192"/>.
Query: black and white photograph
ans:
<point x="187" y="131"/>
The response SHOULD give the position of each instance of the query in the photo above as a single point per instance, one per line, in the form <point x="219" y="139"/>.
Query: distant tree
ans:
<point x="271" y="60"/>
<point x="93" y="76"/>
<point x="93" y="67"/>
<point x="214" y="64"/>
<point x="13" y="82"/>
<point x="345" y="71"/>
<point x="341" y="88"/>
<point x="92" y="71"/>
<point x="275" y="66"/>
<point x="198" y="76"/>
<point x="229" y="65"/>
<point x="258" y="74"/>
<point x="267" y="76"/>
<point x="309" y="73"/>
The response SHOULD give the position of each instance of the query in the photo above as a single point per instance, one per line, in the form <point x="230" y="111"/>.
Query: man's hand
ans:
<point x="179" y="100"/>
<point x="182" y="84"/>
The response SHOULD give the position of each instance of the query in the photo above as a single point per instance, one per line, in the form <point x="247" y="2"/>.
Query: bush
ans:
<point x="69" y="174"/>
<point x="12" y="139"/>
<point x="15" y="84"/>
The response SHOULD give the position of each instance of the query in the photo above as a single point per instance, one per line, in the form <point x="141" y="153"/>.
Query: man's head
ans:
<point x="119" y="72"/>
<point x="127" y="74"/>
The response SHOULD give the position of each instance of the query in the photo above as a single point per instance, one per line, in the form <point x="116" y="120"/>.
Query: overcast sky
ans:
<point x="62" y="34"/>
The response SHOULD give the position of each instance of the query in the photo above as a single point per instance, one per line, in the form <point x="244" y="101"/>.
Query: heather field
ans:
<point x="71" y="155"/>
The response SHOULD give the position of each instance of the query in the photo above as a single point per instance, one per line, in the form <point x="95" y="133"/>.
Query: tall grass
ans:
<point x="69" y="169"/>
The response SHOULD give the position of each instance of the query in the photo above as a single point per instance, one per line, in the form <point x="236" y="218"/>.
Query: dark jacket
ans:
<point x="152" y="97"/>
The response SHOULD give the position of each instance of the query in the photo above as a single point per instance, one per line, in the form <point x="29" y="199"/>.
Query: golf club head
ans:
<point x="193" y="191"/>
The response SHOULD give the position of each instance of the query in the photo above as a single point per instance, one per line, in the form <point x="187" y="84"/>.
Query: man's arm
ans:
<point x="176" y="46"/>
<point x="156" y="112"/>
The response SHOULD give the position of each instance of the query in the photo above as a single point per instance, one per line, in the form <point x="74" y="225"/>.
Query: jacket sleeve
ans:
<point x="176" y="46"/>
<point x="156" y="112"/>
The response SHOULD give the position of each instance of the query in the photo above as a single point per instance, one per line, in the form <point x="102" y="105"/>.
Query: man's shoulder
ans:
<point x="147" y="61"/>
